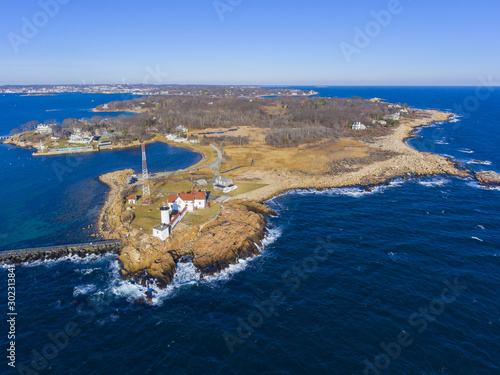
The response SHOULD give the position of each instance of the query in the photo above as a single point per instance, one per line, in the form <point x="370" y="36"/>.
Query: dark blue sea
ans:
<point x="402" y="279"/>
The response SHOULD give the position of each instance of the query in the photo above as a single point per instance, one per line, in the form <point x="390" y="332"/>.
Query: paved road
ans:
<point x="216" y="163"/>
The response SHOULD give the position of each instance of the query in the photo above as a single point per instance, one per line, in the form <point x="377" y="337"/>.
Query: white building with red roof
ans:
<point x="168" y="222"/>
<point x="193" y="201"/>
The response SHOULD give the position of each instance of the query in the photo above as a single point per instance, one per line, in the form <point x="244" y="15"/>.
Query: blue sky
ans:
<point x="425" y="42"/>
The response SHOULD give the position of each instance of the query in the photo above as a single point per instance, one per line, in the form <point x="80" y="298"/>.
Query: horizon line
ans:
<point x="244" y="85"/>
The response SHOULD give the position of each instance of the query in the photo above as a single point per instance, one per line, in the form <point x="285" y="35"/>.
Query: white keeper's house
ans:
<point x="195" y="200"/>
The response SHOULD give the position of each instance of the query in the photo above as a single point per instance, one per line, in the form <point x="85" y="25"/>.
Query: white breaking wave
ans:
<point x="84" y="289"/>
<point x="119" y="288"/>
<point x="434" y="182"/>
<point x="481" y="162"/>
<point x="87" y="271"/>
<point x="271" y="236"/>
<point x="230" y="271"/>
<point x="441" y="143"/>
<point x="477" y="185"/>
<point x="70" y="258"/>
<point x="186" y="275"/>
<point x="477" y="239"/>
<point x="355" y="192"/>
<point x="455" y="118"/>
<point x="466" y="150"/>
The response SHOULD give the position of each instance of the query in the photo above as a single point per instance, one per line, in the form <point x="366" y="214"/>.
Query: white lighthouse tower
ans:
<point x="165" y="214"/>
<point x="162" y="231"/>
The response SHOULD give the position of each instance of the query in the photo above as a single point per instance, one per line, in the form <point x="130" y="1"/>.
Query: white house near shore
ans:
<point x="181" y="129"/>
<point x="80" y="137"/>
<point x="224" y="184"/>
<point x="44" y="129"/>
<point x="358" y="126"/>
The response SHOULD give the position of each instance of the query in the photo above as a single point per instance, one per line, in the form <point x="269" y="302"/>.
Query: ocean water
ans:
<point x="53" y="199"/>
<point x="402" y="279"/>
<point x="18" y="109"/>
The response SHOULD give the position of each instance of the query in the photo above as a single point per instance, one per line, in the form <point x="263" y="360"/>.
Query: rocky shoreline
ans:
<point x="236" y="233"/>
<point x="488" y="178"/>
<point x="403" y="161"/>
<point x="238" y="229"/>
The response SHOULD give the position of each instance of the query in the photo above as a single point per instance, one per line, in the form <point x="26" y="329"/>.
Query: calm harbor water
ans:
<point x="349" y="281"/>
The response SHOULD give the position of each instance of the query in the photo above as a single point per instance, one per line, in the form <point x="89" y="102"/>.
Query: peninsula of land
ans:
<point x="253" y="149"/>
<point x="236" y="228"/>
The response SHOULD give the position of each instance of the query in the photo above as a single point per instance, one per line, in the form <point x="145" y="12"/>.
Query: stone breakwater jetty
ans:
<point x="82" y="250"/>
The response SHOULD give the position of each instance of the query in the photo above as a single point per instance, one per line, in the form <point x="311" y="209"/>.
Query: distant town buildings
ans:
<point x="142" y="90"/>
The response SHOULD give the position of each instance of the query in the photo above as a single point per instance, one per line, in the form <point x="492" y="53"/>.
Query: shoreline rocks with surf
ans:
<point x="236" y="233"/>
<point x="488" y="178"/>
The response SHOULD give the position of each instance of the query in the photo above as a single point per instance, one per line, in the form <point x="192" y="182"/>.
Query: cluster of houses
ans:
<point x="174" y="210"/>
<point x="76" y="136"/>
<point x="396" y="116"/>
<point x="175" y="137"/>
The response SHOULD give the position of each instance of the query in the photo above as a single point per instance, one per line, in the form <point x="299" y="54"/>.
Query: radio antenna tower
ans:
<point x="146" y="195"/>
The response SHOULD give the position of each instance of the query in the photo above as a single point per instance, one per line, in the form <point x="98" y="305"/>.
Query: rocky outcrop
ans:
<point x="148" y="262"/>
<point x="488" y="178"/>
<point x="235" y="234"/>
<point x="148" y="258"/>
